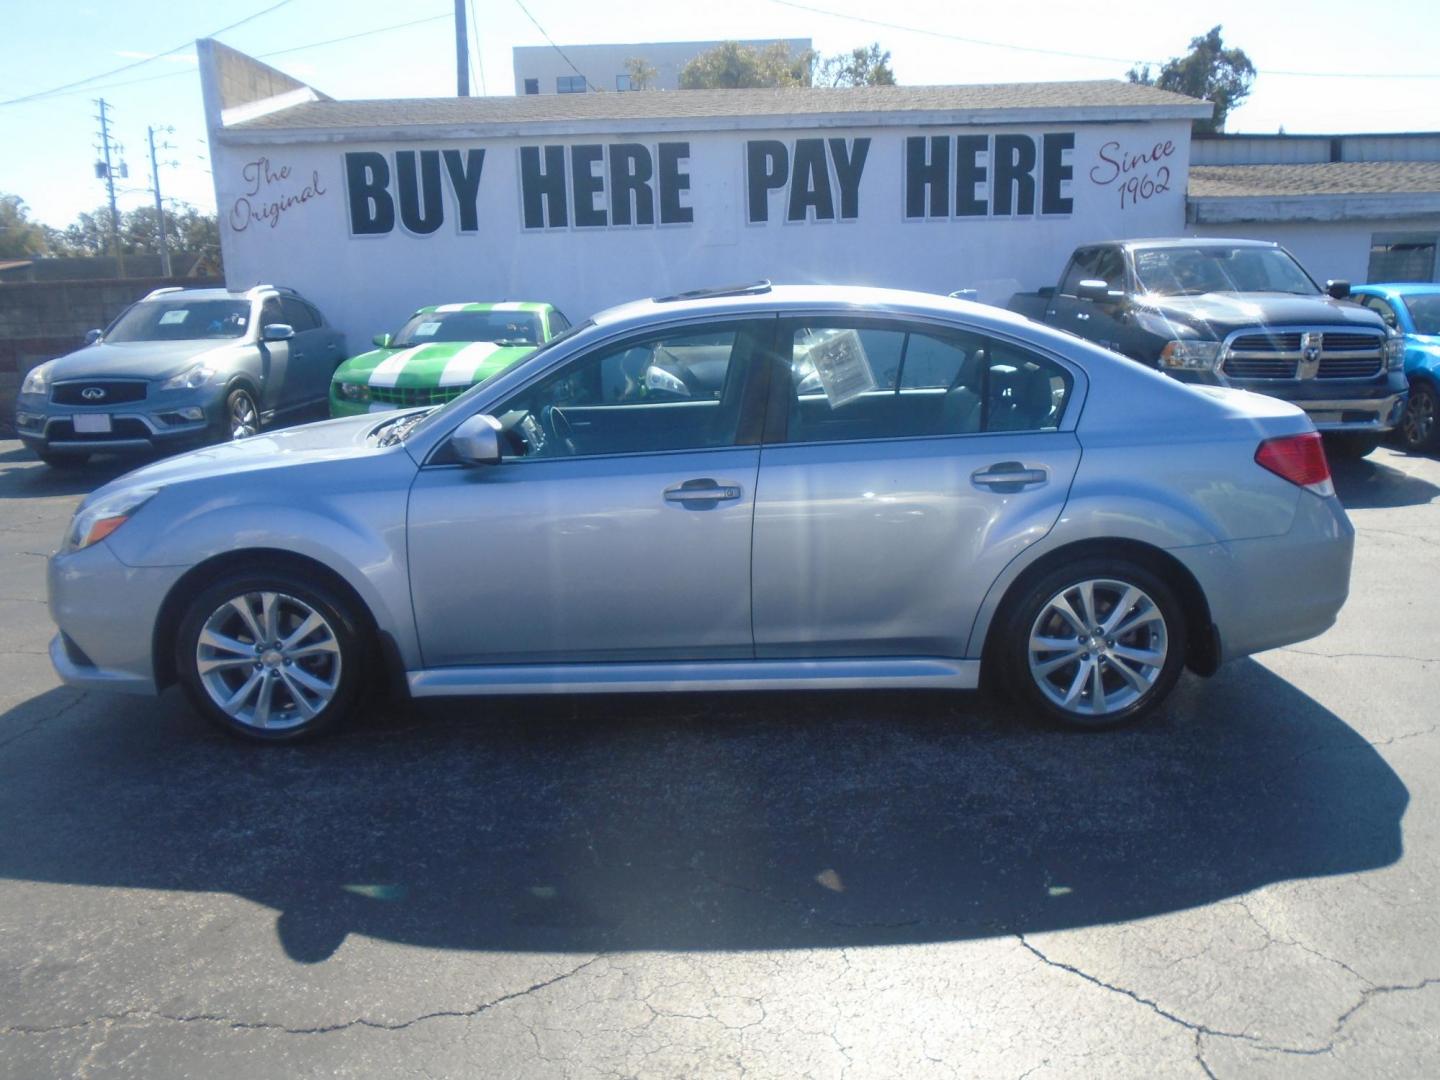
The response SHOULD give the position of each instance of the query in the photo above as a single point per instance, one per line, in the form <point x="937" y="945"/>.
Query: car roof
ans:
<point x="1188" y="242"/>
<point x="487" y="305"/>
<point x="199" y="294"/>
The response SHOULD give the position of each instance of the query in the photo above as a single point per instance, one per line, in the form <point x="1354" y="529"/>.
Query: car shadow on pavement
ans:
<point x="1368" y="484"/>
<point x="26" y="477"/>
<point x="700" y="822"/>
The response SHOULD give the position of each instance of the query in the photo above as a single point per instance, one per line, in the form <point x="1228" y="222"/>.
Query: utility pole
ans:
<point x="159" y="205"/>
<point x="107" y="170"/>
<point x="462" y="52"/>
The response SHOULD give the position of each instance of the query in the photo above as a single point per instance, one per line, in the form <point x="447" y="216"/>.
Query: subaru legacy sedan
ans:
<point x="752" y="488"/>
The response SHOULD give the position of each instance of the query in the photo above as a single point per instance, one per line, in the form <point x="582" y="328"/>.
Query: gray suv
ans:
<point x="181" y="367"/>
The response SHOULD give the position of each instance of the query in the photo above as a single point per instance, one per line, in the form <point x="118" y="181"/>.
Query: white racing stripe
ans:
<point x="460" y="371"/>
<point x="508" y="305"/>
<point x="451" y="307"/>
<point x="387" y="372"/>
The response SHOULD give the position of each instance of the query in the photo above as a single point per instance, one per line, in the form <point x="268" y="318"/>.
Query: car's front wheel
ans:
<point x="242" y="415"/>
<point x="1420" y="426"/>
<point x="271" y="656"/>
<point x="1093" y="644"/>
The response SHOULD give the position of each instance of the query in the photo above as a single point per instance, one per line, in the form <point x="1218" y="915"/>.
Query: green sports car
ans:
<point x="440" y="353"/>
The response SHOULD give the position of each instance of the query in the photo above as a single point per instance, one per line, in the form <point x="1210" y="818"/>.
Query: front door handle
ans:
<point x="701" y="492"/>
<point x="1009" y="476"/>
<point x="1082" y="315"/>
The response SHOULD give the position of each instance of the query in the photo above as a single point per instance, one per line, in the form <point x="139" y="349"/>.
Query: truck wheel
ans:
<point x="1419" y="430"/>
<point x="1344" y="446"/>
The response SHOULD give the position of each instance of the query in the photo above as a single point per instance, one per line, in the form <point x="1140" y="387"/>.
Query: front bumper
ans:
<point x="1362" y="405"/>
<point x="106" y="612"/>
<point x="162" y="419"/>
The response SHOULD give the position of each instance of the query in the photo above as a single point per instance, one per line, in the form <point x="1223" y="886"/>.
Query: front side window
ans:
<point x="181" y="320"/>
<point x="1383" y="309"/>
<point x="1082" y="268"/>
<point x="1424" y="311"/>
<point x="867" y="381"/>
<point x="502" y="327"/>
<point x="678" y="390"/>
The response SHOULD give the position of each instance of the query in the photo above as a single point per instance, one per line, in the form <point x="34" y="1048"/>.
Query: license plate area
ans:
<point x="92" y="423"/>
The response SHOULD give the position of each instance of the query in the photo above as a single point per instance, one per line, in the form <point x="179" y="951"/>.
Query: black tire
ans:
<point x="352" y="655"/>
<point x="1344" y="446"/>
<point x="1013" y="653"/>
<point x="1419" y="429"/>
<point x="239" y="398"/>
<point x="62" y="459"/>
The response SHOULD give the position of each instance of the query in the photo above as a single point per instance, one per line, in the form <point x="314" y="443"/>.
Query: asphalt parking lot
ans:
<point x="865" y="884"/>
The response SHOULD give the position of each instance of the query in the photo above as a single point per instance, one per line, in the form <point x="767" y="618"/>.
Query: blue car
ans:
<point x="1414" y="310"/>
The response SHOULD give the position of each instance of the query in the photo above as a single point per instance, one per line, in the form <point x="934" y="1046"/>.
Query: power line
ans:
<point x="146" y="60"/>
<point x="1086" y="56"/>
<point x="593" y="88"/>
<point x="479" y="60"/>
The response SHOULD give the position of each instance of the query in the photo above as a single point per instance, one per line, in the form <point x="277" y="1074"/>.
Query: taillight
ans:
<point x="1299" y="459"/>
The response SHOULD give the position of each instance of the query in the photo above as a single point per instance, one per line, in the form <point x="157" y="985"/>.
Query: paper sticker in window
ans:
<point x="839" y="362"/>
<point x="427" y="329"/>
<point x="174" y="317"/>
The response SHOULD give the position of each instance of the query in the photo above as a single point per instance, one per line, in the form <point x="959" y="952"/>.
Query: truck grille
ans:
<point x="1279" y="354"/>
<point x="397" y="395"/>
<point x="112" y="392"/>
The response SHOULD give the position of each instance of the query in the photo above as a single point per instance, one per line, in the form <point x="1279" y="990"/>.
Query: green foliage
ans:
<point x="642" y="75"/>
<point x="20" y="237"/>
<point x="732" y="66"/>
<point x="1209" y="71"/>
<point x="188" y="231"/>
<point x="859" y="67"/>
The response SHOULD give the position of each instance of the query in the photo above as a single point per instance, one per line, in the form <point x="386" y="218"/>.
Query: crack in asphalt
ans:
<point x="324" y="1029"/>
<point x="1396" y="532"/>
<point x="80" y="696"/>
<point x="1362" y="655"/>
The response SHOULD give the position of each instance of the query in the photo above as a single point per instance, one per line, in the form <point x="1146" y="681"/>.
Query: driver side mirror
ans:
<point x="382" y="340"/>
<point x="1339" y="290"/>
<point x="477" y="441"/>
<point x="1094" y="290"/>
<point x="92" y="336"/>
<point x="277" y="331"/>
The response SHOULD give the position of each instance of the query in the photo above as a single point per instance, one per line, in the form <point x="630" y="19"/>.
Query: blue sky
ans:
<point x="47" y="155"/>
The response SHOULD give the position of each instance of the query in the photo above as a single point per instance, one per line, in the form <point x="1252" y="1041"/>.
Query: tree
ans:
<point x="642" y="74"/>
<point x="859" y="67"/>
<point x="19" y="236"/>
<point x="732" y="66"/>
<point x="1209" y="71"/>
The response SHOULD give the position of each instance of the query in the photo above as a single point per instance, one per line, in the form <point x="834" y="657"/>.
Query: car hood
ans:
<point x="424" y="367"/>
<point x="136" y="359"/>
<point x="1222" y="313"/>
<point x="327" y="440"/>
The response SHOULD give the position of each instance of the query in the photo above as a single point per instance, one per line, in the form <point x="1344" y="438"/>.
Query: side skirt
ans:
<point x="898" y="672"/>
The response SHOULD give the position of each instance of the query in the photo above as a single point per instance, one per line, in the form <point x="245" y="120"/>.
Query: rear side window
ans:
<point x="298" y="314"/>
<point x="867" y="381"/>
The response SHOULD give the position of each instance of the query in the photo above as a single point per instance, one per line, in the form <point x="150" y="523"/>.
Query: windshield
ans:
<point x="520" y="327"/>
<point x="1190" y="271"/>
<point x="181" y="320"/>
<point x="1424" y="312"/>
<point x="423" y="421"/>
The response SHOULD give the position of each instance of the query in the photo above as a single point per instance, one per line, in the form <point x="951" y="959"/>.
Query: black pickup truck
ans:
<point x="1239" y="313"/>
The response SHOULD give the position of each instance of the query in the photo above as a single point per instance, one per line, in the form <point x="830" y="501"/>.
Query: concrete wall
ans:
<point x="602" y="63"/>
<point x="1338" y="249"/>
<point x="367" y="284"/>
<point x="43" y="320"/>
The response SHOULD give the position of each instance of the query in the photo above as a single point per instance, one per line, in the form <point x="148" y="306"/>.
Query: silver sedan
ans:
<point x="753" y="488"/>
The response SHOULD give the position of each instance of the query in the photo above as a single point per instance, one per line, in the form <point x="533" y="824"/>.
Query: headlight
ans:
<point x="99" y="519"/>
<point x="1190" y="355"/>
<point x="352" y="391"/>
<point x="190" y="378"/>
<point x="36" y="380"/>
<point x="1395" y="352"/>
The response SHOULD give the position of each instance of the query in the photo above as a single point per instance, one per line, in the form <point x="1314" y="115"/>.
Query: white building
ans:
<point x="374" y="208"/>
<point x="578" y="69"/>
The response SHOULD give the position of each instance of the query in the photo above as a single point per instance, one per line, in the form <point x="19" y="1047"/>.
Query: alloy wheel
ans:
<point x="268" y="660"/>
<point x="1097" y="647"/>
<point x="243" y="419"/>
<point x="1417" y="424"/>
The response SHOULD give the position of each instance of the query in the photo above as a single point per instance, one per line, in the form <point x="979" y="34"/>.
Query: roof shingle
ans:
<point x="1326" y="178"/>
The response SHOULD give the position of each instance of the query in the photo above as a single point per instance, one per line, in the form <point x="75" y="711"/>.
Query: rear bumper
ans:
<point x="1277" y="590"/>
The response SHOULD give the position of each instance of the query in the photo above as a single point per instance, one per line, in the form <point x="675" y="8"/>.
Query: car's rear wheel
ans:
<point x="1094" y="644"/>
<point x="61" y="459"/>
<point x="271" y="656"/>
<point x="1350" y="447"/>
<point x="1420" y="426"/>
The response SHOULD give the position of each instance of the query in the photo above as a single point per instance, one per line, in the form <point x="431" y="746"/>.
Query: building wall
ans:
<point x="602" y="63"/>
<point x="285" y="218"/>
<point x="1339" y="250"/>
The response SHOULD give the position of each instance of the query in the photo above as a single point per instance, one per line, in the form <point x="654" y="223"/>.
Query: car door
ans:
<point x="1093" y="320"/>
<point x="311" y="365"/>
<point x="275" y="394"/>
<point x="893" y="490"/>
<point x="617" y="526"/>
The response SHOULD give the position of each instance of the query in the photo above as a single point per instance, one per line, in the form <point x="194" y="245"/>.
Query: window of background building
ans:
<point x="1402" y="257"/>
<point x="570" y="84"/>
<point x="532" y="86"/>
<point x="623" y="82"/>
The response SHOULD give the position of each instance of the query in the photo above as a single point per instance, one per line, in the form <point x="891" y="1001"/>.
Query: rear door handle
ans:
<point x="700" y="492"/>
<point x="1082" y="315"/>
<point x="1009" y="476"/>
